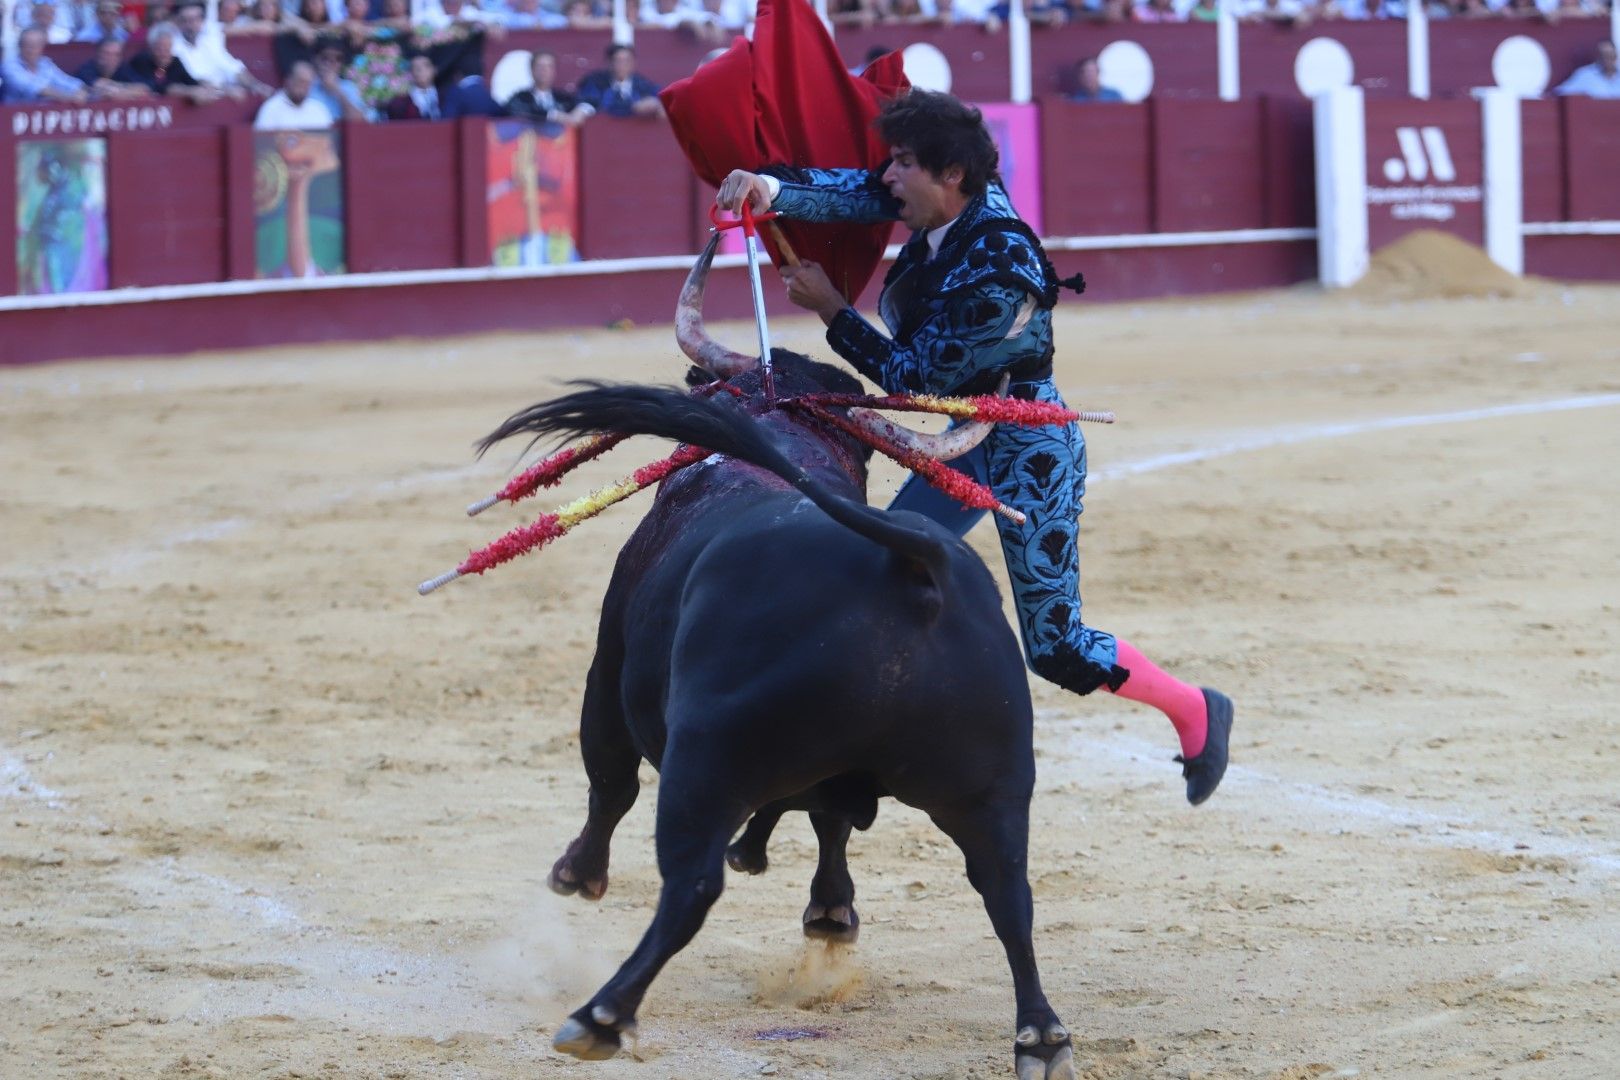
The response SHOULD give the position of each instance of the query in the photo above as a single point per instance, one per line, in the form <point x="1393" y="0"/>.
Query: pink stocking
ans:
<point x="1183" y="704"/>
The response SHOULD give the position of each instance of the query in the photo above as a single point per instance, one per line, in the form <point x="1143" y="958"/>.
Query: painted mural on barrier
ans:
<point x="1016" y="130"/>
<point x="297" y="204"/>
<point x="61" y="216"/>
<point x="533" y="194"/>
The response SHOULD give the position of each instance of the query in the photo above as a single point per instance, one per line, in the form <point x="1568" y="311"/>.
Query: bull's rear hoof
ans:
<point x="746" y="860"/>
<point x="1046" y="1055"/>
<point x="586" y="1040"/>
<point x="1060" y="1067"/>
<point x="839" y="924"/>
<point x="564" y="883"/>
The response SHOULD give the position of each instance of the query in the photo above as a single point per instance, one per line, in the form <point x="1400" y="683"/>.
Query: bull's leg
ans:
<point x="831" y="914"/>
<point x="995" y="840"/>
<point x="611" y="762"/>
<point x="697" y="814"/>
<point x="747" y="854"/>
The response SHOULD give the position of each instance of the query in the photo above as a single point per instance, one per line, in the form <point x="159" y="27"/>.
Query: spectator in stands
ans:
<point x="108" y="76"/>
<point x="300" y="36"/>
<point x="1288" y="12"/>
<point x="1088" y="84"/>
<point x="1600" y="79"/>
<point x="545" y="100"/>
<point x="1039" y="12"/>
<point x="447" y="13"/>
<point x="1364" y="9"/>
<point x="340" y="96"/>
<point x="619" y="90"/>
<point x="854" y="12"/>
<point x="1578" y="9"/>
<point x="730" y="16"/>
<point x="30" y="75"/>
<point x="1205" y="11"/>
<point x="1156" y="11"/>
<point x="107" y="22"/>
<point x="913" y="13"/>
<point x="587" y="15"/>
<point x="258" y="19"/>
<point x="468" y="94"/>
<point x="164" y="73"/>
<point x="533" y="15"/>
<point x="381" y="51"/>
<point x="57" y="27"/>
<point x="672" y="14"/>
<point x="421" y="101"/>
<point x="202" y="51"/>
<point x="294" y="107"/>
<point x="1114" y="11"/>
<point x="357" y="26"/>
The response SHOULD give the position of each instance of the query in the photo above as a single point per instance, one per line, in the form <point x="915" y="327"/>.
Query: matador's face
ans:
<point x="927" y="201"/>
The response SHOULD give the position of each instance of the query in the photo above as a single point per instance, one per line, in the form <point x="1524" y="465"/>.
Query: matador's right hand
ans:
<point x="743" y="185"/>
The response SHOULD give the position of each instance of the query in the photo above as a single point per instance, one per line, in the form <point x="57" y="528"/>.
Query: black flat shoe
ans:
<point x="1203" y="773"/>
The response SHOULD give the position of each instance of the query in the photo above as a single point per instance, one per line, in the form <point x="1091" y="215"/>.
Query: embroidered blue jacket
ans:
<point x="980" y="307"/>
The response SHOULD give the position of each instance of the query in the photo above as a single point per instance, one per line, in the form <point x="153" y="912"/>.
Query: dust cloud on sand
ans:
<point x="265" y="812"/>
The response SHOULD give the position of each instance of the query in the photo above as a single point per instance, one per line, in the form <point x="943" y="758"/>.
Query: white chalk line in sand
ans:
<point x="1454" y="829"/>
<point x="1289" y="436"/>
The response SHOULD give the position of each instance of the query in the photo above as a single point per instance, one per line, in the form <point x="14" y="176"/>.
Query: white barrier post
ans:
<point x="1226" y="52"/>
<point x="1340" y="117"/>
<point x="821" y="13"/>
<point x="1018" y="53"/>
<point x="1504" y="178"/>
<point x="1417" y="49"/>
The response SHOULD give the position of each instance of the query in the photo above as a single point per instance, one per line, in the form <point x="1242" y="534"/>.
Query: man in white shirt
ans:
<point x="56" y="23"/>
<point x="292" y="108"/>
<point x="443" y="13"/>
<point x="1599" y="80"/>
<point x="202" y="50"/>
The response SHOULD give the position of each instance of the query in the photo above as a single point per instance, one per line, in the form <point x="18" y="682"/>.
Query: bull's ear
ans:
<point x="696" y="376"/>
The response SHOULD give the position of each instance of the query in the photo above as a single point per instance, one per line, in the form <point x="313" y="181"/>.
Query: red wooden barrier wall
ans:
<point x="1096" y="168"/>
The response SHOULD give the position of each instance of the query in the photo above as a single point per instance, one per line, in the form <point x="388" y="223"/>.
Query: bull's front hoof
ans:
<point x="838" y="924"/>
<point x="1044" y="1055"/>
<point x="746" y="859"/>
<point x="583" y="1036"/>
<point x="565" y="881"/>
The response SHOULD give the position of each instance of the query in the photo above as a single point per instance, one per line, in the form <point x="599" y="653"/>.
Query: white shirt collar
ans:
<point x="936" y="237"/>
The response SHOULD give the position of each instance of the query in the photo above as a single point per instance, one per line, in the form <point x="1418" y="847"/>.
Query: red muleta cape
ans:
<point x="786" y="98"/>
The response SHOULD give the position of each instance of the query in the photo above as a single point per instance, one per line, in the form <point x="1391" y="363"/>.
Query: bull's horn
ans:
<point x="695" y="341"/>
<point x="948" y="444"/>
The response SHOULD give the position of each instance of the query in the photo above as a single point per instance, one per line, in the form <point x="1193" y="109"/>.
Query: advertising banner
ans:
<point x="1425" y="170"/>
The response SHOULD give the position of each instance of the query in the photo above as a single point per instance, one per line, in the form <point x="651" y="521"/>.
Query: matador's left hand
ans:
<point x="809" y="287"/>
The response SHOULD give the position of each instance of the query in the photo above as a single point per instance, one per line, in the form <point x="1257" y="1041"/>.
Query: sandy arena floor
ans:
<point x="265" y="812"/>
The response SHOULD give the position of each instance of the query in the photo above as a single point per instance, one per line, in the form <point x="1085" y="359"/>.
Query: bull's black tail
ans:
<point x="723" y="428"/>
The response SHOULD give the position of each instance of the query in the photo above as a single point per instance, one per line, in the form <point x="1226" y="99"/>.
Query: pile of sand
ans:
<point x="1432" y="265"/>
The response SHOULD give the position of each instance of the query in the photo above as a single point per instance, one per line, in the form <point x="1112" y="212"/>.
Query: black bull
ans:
<point x="764" y="653"/>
